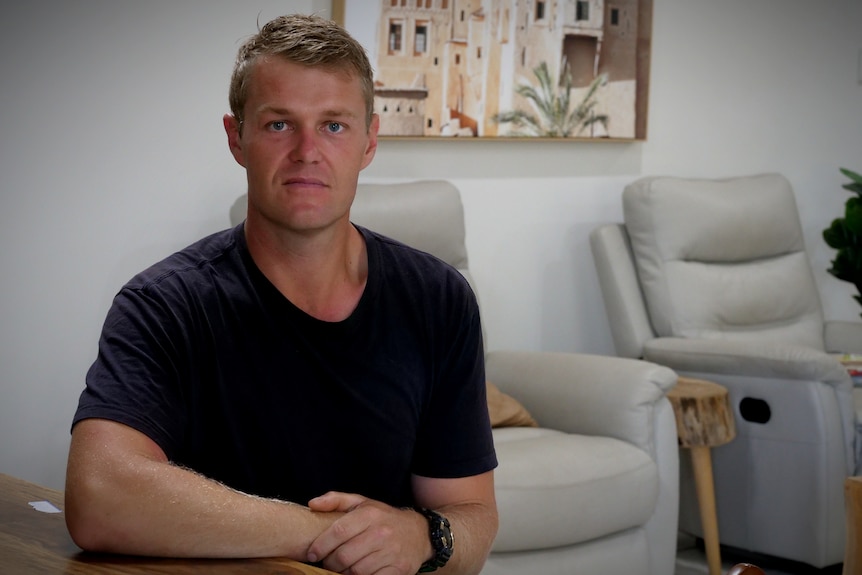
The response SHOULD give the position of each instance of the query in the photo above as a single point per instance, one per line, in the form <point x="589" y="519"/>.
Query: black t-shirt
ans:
<point x="205" y="356"/>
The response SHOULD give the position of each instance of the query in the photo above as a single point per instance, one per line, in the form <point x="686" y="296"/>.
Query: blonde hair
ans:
<point x="307" y="40"/>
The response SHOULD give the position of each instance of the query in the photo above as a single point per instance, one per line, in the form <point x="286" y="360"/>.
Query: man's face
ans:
<point x="303" y="142"/>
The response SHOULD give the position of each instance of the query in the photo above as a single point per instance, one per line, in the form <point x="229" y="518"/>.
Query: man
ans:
<point x="296" y="386"/>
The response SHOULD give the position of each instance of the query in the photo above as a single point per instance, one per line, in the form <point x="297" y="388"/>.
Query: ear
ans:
<point x="371" y="147"/>
<point x="234" y="138"/>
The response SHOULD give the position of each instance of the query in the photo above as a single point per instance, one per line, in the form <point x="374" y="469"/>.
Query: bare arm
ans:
<point x="375" y="538"/>
<point x="470" y="506"/>
<point x="124" y="496"/>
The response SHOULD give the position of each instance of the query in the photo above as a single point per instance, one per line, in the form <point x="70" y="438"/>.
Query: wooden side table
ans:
<point x="704" y="419"/>
<point x="853" y="506"/>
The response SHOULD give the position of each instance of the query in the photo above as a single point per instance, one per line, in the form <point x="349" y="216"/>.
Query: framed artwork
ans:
<point x="517" y="69"/>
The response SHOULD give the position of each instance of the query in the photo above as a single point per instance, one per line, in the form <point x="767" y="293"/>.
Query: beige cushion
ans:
<point x="555" y="489"/>
<point x="506" y="411"/>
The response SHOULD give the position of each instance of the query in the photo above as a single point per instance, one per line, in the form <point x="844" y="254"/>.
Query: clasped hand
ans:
<point x="370" y="538"/>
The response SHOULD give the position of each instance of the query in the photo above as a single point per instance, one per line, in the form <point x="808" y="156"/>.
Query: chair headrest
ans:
<point x="427" y="215"/>
<point x="727" y="220"/>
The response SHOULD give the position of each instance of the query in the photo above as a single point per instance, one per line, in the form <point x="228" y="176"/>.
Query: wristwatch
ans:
<point x="442" y="540"/>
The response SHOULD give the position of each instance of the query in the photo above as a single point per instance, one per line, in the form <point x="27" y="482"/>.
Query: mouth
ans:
<point x="303" y="182"/>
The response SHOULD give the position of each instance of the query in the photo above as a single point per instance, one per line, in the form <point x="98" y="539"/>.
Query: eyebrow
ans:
<point x="333" y="113"/>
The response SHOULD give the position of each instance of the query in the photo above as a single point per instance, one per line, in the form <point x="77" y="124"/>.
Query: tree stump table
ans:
<point x="704" y="419"/>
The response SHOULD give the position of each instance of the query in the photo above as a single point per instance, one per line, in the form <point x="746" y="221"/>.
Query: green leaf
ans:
<point x="856" y="185"/>
<point x="852" y="175"/>
<point x="835" y="236"/>
<point x="845" y="236"/>
<point x="853" y="218"/>
<point x="842" y="267"/>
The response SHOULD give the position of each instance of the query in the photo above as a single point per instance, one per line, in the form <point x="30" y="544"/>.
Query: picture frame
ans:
<point x="571" y="70"/>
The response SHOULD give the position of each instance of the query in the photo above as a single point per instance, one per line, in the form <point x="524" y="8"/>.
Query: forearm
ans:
<point x="140" y="504"/>
<point x="474" y="526"/>
<point x="470" y="505"/>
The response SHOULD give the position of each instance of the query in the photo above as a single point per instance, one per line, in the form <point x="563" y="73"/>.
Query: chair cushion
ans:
<point x="505" y="410"/>
<point x="555" y="489"/>
<point x="723" y="259"/>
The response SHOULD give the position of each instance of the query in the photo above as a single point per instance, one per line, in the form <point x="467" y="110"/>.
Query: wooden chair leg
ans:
<point x="853" y="507"/>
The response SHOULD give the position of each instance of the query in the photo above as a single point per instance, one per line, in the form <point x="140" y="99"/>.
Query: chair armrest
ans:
<point x="753" y="359"/>
<point x="584" y="393"/>
<point x="843" y="336"/>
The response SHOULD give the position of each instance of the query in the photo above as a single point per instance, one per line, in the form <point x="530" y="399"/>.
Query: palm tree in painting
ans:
<point x="554" y="117"/>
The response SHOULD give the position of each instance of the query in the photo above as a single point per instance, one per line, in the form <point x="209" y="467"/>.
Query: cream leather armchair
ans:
<point x="711" y="278"/>
<point x="595" y="488"/>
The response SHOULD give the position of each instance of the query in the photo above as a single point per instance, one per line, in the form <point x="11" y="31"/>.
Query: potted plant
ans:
<point x="845" y="235"/>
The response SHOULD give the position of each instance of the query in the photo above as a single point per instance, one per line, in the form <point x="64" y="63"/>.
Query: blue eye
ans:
<point x="334" y="127"/>
<point x="278" y="126"/>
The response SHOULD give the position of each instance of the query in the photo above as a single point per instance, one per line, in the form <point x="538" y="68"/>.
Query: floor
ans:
<point x="691" y="560"/>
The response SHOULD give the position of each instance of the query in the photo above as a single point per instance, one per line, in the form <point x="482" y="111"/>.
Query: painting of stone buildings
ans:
<point x="507" y="68"/>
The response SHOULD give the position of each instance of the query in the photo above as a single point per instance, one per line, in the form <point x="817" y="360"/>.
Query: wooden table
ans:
<point x="704" y="419"/>
<point x="35" y="542"/>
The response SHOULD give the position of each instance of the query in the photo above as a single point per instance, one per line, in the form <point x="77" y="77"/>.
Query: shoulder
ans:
<point x="417" y="275"/>
<point x="397" y="258"/>
<point x="196" y="276"/>
<point x="194" y="261"/>
<point x="188" y="286"/>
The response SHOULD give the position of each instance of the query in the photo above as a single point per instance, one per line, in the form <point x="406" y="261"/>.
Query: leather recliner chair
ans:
<point x="711" y="278"/>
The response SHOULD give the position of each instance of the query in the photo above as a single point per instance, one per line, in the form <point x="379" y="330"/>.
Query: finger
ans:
<point x="336" y="501"/>
<point x="376" y="563"/>
<point x="378" y="546"/>
<point x="336" y="539"/>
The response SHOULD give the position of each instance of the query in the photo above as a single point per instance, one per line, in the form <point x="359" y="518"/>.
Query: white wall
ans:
<point x="112" y="155"/>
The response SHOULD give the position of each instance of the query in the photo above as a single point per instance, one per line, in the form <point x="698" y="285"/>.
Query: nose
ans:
<point x="304" y="146"/>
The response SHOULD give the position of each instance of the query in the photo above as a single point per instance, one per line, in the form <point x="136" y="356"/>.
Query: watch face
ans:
<point x="446" y="538"/>
<point x="442" y="539"/>
<point x="443" y="534"/>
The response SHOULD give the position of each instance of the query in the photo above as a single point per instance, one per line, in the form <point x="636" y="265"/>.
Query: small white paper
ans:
<point x="44" y="506"/>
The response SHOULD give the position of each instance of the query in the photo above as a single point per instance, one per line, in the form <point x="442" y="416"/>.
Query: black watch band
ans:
<point x="442" y="540"/>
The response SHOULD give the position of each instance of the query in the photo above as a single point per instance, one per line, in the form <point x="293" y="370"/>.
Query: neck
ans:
<point x="323" y="273"/>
